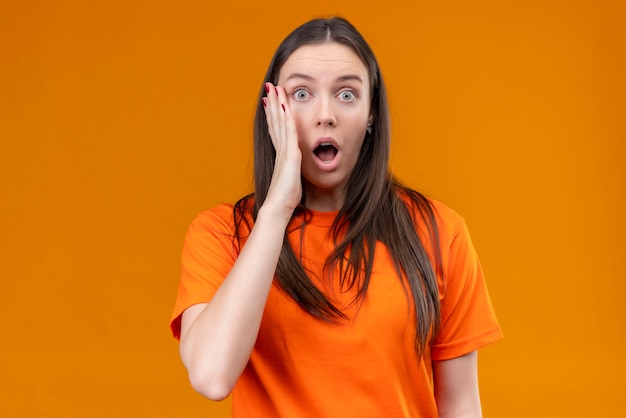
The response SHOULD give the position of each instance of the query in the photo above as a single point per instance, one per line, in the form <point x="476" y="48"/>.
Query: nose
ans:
<point x="325" y="113"/>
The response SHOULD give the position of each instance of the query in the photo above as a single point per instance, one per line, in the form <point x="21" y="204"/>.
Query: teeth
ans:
<point x="326" y="144"/>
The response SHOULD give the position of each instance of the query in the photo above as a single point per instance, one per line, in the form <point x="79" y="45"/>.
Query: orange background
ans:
<point x="119" y="121"/>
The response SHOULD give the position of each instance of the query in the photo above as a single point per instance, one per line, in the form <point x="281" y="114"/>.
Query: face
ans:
<point x="327" y="87"/>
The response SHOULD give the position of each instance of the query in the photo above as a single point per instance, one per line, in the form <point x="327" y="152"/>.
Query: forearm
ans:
<point x="217" y="339"/>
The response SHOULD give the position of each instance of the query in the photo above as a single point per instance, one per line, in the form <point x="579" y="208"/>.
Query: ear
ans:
<point x="370" y="120"/>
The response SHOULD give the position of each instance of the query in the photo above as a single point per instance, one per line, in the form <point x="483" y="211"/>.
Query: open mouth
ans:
<point x="326" y="152"/>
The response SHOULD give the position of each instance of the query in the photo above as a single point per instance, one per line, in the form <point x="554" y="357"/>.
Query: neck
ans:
<point x="324" y="200"/>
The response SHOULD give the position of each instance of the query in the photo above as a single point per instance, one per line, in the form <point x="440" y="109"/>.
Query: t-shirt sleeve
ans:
<point x="468" y="321"/>
<point x="207" y="257"/>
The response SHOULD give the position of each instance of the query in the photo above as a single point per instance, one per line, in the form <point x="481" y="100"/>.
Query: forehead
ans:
<point x="326" y="59"/>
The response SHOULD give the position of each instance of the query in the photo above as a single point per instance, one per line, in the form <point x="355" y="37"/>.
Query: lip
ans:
<point x="326" y="140"/>
<point x="322" y="165"/>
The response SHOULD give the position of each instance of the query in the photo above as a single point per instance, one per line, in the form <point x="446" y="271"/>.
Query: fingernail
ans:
<point x="283" y="106"/>
<point x="264" y="100"/>
<point x="267" y="88"/>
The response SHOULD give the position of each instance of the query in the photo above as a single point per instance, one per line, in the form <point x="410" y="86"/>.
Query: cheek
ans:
<point x="299" y="120"/>
<point x="356" y="148"/>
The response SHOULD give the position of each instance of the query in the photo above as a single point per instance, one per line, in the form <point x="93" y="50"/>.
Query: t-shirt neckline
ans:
<point x="322" y="218"/>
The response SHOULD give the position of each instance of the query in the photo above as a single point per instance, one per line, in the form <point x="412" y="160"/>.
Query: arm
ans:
<point x="456" y="387"/>
<point x="217" y="338"/>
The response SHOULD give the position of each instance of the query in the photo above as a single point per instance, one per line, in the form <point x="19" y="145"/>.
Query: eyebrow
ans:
<point x="309" y="78"/>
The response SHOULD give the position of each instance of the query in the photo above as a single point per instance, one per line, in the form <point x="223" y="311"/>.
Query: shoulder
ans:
<point x="209" y="234"/>
<point x="448" y="220"/>
<point x="220" y="216"/>
<point x="432" y="215"/>
<point x="226" y="216"/>
<point x="227" y="224"/>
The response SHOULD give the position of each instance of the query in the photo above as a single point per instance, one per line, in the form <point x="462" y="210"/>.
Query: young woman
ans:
<point x="332" y="290"/>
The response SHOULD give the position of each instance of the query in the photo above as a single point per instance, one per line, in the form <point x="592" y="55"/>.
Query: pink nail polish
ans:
<point x="267" y="88"/>
<point x="264" y="100"/>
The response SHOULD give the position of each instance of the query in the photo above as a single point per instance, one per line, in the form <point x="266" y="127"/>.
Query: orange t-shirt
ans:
<point x="363" y="367"/>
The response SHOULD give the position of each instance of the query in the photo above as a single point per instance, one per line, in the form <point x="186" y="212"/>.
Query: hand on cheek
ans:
<point x="285" y="189"/>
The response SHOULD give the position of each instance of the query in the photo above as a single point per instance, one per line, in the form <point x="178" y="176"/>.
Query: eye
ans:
<point x="347" y="95"/>
<point x="301" y="94"/>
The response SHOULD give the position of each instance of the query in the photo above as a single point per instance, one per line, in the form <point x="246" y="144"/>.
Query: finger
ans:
<point x="269" y="104"/>
<point x="275" y="116"/>
<point x="280" y="114"/>
<point x="291" y="134"/>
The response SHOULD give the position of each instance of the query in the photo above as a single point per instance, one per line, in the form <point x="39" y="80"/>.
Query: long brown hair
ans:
<point x="377" y="207"/>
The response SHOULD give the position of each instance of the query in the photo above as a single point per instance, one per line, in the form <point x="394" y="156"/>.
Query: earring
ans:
<point x="369" y="128"/>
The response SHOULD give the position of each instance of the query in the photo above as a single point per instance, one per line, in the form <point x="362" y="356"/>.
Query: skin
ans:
<point x="327" y="91"/>
<point x="323" y="92"/>
<point x="456" y="387"/>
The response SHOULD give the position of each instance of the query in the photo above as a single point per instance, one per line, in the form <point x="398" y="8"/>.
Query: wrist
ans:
<point x="279" y="216"/>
